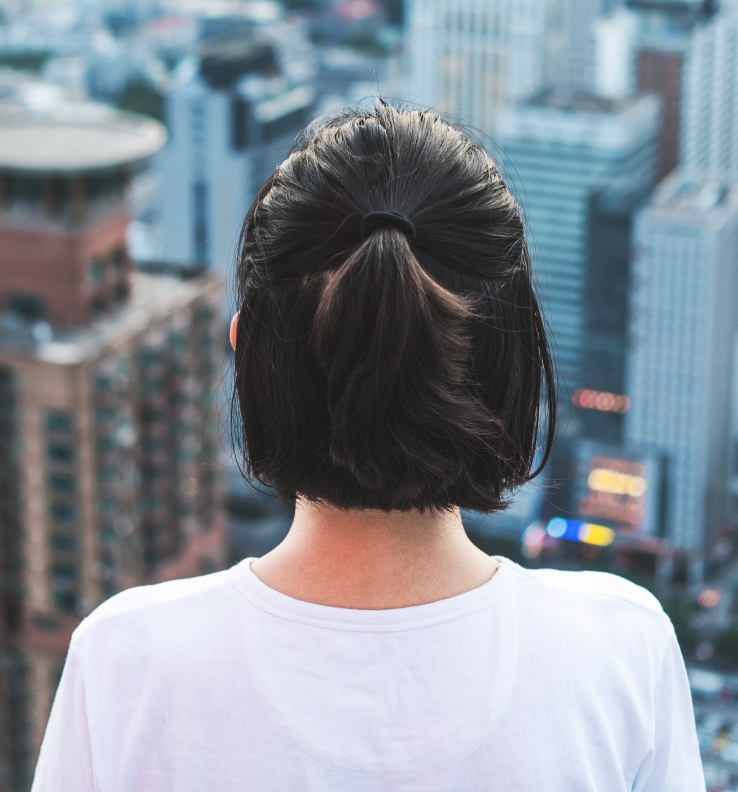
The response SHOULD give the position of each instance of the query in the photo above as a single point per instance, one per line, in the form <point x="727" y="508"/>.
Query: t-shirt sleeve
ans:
<point x="65" y="760"/>
<point x="674" y="764"/>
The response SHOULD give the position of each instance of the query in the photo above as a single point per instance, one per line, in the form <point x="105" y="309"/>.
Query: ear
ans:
<point x="234" y="329"/>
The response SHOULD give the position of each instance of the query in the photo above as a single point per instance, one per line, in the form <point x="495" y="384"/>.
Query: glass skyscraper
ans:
<point x="682" y="351"/>
<point x="574" y="159"/>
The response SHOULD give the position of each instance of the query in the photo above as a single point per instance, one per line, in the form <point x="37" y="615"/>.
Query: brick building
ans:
<point x="110" y="471"/>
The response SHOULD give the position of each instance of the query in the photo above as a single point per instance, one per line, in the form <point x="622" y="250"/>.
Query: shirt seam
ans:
<point x="348" y="627"/>
<point x="275" y="610"/>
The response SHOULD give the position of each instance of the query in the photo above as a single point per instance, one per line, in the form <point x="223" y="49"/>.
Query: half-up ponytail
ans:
<point x="399" y="370"/>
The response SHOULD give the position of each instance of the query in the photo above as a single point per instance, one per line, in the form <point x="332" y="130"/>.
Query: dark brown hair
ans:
<point x="376" y="373"/>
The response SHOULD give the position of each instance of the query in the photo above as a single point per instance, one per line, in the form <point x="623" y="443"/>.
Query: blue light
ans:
<point x="556" y="527"/>
<point x="559" y="528"/>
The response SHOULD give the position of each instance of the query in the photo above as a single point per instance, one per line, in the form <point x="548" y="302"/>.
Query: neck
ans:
<point x="372" y="559"/>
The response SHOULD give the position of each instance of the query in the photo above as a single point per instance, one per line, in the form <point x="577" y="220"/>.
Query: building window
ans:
<point x="151" y="355"/>
<point x="153" y="445"/>
<point x="288" y="124"/>
<point x="120" y="292"/>
<point x="200" y="221"/>
<point x="102" y="383"/>
<point x="64" y="542"/>
<point x="118" y="258"/>
<point x="151" y="473"/>
<point x="151" y="387"/>
<point x="61" y="483"/>
<point x="57" y="452"/>
<point x="97" y="306"/>
<point x="104" y="414"/>
<point x="58" y="421"/>
<point x="27" y="307"/>
<point x="95" y="272"/>
<point x="62" y="512"/>
<point x="153" y="416"/>
<point x="63" y="509"/>
<point x="240" y="138"/>
<point x="106" y="444"/>
<point x="64" y="587"/>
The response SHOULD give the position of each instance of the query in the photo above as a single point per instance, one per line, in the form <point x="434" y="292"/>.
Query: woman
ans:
<point x="390" y="363"/>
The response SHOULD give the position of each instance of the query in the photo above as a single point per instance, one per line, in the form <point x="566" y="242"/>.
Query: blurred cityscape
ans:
<point x="134" y="134"/>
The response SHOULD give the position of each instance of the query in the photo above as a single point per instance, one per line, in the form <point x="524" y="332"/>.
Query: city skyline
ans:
<point x="615" y="125"/>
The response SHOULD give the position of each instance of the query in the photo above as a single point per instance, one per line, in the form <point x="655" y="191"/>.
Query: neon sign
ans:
<point x="602" y="401"/>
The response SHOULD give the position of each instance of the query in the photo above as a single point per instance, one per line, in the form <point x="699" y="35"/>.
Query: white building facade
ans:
<point x="474" y="58"/>
<point x="688" y="52"/>
<point x="709" y="139"/>
<point x="682" y="341"/>
<point x="224" y="142"/>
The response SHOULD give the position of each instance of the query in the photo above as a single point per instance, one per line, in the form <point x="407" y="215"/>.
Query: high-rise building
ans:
<point x="578" y="164"/>
<point x="231" y="121"/>
<point x="681" y="352"/>
<point x="576" y="60"/>
<point x="475" y="58"/>
<point x="109" y="454"/>
<point x="709" y="142"/>
<point x="686" y="51"/>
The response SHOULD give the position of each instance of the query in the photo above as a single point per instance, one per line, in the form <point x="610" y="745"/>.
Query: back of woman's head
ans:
<point x="382" y="363"/>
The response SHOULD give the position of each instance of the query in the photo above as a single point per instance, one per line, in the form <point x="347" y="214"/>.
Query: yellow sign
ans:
<point x="598" y="535"/>
<point x="604" y="480"/>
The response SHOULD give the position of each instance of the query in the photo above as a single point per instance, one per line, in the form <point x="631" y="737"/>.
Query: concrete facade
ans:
<point x="119" y="479"/>
<point x="681" y="352"/>
<point x="474" y="60"/>
<point x="74" y="272"/>
<point x="562" y="149"/>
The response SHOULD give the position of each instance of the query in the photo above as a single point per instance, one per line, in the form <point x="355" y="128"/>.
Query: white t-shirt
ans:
<point x="538" y="681"/>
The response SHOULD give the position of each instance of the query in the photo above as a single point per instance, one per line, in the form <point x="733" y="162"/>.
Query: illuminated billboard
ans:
<point x="618" y="488"/>
<point x="601" y="401"/>
<point x="578" y="531"/>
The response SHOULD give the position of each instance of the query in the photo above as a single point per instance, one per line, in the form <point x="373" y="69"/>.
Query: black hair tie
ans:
<point x="374" y="220"/>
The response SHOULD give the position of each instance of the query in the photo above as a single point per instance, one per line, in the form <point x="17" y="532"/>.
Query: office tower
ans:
<point x="709" y="152"/>
<point x="575" y="70"/>
<point x="231" y="121"/>
<point x="686" y="51"/>
<point x="614" y="36"/>
<point x="577" y="162"/>
<point x="109" y="452"/>
<point x="475" y="58"/>
<point x="680" y="362"/>
<point x="663" y="35"/>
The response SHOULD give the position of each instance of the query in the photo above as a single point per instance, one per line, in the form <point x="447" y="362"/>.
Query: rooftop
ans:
<point x="582" y="119"/>
<point x="153" y="297"/>
<point x="580" y="101"/>
<point x="666" y="19"/>
<point x="225" y="59"/>
<point x="74" y="137"/>
<point x="678" y="198"/>
<point x="706" y="7"/>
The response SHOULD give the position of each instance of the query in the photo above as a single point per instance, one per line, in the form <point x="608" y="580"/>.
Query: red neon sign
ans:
<point x="602" y="401"/>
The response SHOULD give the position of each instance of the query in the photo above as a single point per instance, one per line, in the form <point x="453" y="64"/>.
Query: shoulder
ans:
<point x="596" y="586"/>
<point x="151" y="607"/>
<point x="590" y="607"/>
<point x="595" y="620"/>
